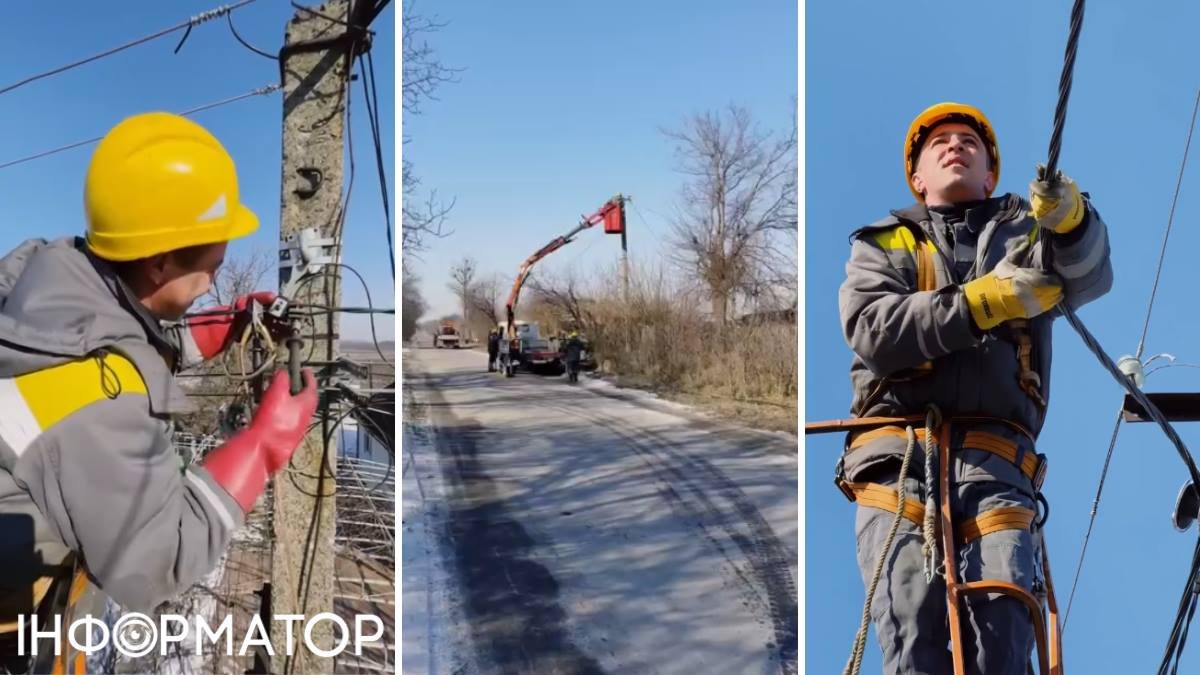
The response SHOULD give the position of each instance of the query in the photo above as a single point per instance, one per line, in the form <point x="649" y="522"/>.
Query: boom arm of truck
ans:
<point x="612" y="214"/>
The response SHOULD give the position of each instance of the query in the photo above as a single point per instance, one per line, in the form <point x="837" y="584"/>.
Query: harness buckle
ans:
<point x="1039" y="474"/>
<point x="839" y="479"/>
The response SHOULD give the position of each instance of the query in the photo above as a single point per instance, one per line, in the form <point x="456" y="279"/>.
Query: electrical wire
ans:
<point x="344" y="310"/>
<point x="391" y="451"/>
<point x="1140" y="348"/>
<point x="296" y="309"/>
<point x="261" y="91"/>
<point x="646" y="223"/>
<point x="1183" y="615"/>
<point x="1162" y="254"/>
<point x="247" y="45"/>
<point x="193" y="21"/>
<point x="366" y="66"/>
<point x="371" y="315"/>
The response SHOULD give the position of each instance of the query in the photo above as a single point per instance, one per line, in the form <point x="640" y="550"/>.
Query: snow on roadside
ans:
<point x="431" y="624"/>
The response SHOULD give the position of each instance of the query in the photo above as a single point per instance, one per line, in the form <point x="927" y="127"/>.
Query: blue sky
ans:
<point x="869" y="70"/>
<point x="44" y="198"/>
<point x="560" y="107"/>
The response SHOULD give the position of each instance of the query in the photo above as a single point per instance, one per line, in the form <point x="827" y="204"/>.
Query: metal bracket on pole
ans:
<point x="307" y="253"/>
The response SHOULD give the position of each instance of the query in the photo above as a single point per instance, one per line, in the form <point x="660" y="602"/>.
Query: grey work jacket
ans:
<point x="893" y="328"/>
<point x="104" y="481"/>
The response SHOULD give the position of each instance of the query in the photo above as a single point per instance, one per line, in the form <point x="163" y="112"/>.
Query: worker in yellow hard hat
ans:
<point x="948" y="309"/>
<point x="573" y="355"/>
<point x="91" y="338"/>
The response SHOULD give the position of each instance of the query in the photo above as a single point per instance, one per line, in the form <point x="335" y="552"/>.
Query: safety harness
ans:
<point x="924" y="251"/>
<point x="937" y="440"/>
<point x="933" y="516"/>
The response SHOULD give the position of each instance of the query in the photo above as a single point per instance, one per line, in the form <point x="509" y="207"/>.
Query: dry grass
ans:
<point x="661" y="340"/>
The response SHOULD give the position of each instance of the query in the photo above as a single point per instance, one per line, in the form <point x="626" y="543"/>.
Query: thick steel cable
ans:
<point x="1137" y="394"/>
<point x="1183" y="618"/>
<point x="1064" y="88"/>
<point x="1064" y="91"/>
<point x="1140" y="348"/>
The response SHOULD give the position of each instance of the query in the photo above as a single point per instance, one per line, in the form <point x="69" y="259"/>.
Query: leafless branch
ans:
<point x="738" y="206"/>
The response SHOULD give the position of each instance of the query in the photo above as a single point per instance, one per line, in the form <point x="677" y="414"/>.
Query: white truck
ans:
<point x="447" y="336"/>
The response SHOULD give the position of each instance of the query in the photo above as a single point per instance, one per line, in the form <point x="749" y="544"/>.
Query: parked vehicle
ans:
<point x="447" y="335"/>
<point x="540" y="355"/>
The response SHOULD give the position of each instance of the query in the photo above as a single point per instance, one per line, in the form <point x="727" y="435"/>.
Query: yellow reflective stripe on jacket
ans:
<point x="32" y="403"/>
<point x="900" y="238"/>
<point x="56" y="392"/>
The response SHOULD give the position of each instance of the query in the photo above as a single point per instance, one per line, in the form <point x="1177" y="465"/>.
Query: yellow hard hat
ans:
<point x="160" y="182"/>
<point x="938" y="114"/>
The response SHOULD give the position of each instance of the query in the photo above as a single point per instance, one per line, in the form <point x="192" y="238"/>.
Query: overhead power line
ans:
<point x="186" y="25"/>
<point x="261" y="91"/>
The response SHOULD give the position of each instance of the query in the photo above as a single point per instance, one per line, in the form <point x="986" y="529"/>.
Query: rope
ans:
<point x="193" y="21"/>
<point x="929" y="522"/>
<point x="860" y="639"/>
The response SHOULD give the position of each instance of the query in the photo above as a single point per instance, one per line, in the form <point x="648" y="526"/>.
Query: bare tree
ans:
<point x="412" y="304"/>
<point x="739" y="204"/>
<point x="421" y="217"/>
<point x="239" y="276"/>
<point x="423" y="70"/>
<point x="462" y="282"/>
<point x="486" y="298"/>
<point x="566" y="296"/>
<point x="209" y="385"/>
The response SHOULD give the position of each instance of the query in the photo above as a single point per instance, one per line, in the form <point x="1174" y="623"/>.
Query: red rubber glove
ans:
<point x="243" y="464"/>
<point x="214" y="332"/>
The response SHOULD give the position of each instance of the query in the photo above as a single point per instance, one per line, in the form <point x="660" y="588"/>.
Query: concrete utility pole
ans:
<point x="315" y="64"/>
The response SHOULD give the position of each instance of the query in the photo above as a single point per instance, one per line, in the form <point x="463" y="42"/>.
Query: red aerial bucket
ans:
<point x="614" y="217"/>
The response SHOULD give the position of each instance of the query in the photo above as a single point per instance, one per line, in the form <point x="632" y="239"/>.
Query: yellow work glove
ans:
<point x="1057" y="206"/>
<point x="1011" y="292"/>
